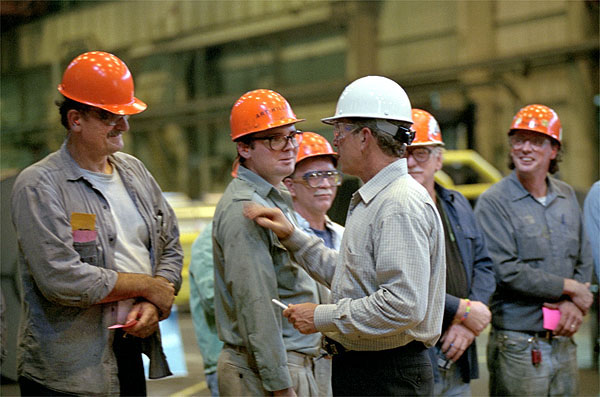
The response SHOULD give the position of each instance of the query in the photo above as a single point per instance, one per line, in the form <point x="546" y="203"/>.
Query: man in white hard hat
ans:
<point x="388" y="281"/>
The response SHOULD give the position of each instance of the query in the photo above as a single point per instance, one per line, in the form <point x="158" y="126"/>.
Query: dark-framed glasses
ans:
<point x="279" y="142"/>
<point x="316" y="178"/>
<point x="420" y="154"/>
<point x="108" y="118"/>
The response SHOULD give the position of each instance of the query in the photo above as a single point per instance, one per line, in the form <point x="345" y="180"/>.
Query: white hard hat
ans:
<point x="373" y="97"/>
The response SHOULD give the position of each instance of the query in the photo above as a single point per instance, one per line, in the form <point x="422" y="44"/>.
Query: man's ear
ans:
<point x="243" y="150"/>
<point x="74" y="119"/>
<point x="290" y="186"/>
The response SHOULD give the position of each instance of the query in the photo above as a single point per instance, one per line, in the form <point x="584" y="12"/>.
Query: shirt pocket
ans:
<point x="530" y="245"/>
<point x="88" y="252"/>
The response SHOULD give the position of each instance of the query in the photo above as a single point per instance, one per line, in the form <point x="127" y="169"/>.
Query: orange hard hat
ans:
<point x="312" y="145"/>
<point x="427" y="129"/>
<point x="260" y="110"/>
<point x="538" y="118"/>
<point x="102" y="80"/>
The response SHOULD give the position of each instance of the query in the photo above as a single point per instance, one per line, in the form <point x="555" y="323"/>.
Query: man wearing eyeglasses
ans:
<point x="262" y="353"/>
<point x="99" y="247"/>
<point x="313" y="186"/>
<point x="542" y="262"/>
<point x="388" y="279"/>
<point x="469" y="275"/>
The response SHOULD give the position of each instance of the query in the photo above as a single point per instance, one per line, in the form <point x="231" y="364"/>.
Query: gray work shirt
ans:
<point x="534" y="247"/>
<point x="388" y="282"/>
<point x="64" y="342"/>
<point x="251" y="268"/>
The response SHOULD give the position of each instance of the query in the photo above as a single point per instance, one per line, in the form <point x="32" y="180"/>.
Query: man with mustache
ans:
<point x="469" y="276"/>
<point x="99" y="247"/>
<point x="542" y="260"/>
<point x="313" y="187"/>
<point x="262" y="353"/>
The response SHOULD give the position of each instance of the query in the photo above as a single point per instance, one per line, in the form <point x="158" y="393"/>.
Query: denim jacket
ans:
<point x="64" y="342"/>
<point x="478" y="268"/>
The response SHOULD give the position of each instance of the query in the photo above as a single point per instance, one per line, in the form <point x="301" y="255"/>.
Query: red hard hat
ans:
<point x="312" y="145"/>
<point x="102" y="80"/>
<point x="427" y="129"/>
<point x="538" y="118"/>
<point x="260" y="110"/>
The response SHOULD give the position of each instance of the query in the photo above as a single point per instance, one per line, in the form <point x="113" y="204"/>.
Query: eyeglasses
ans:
<point x="279" y="142"/>
<point x="316" y="178"/>
<point x="420" y="154"/>
<point x="340" y="130"/>
<point x="108" y="118"/>
<point x="517" y="141"/>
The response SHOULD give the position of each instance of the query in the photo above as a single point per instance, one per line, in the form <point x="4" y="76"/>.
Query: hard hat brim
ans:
<point x="134" y="107"/>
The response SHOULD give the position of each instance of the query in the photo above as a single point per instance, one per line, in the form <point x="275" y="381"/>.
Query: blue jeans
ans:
<point x="513" y="374"/>
<point x="212" y="381"/>
<point x="450" y="382"/>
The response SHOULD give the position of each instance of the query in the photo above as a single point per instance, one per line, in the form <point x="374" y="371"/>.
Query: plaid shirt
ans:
<point x="388" y="281"/>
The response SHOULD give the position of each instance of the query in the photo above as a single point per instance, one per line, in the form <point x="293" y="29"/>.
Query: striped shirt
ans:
<point x="388" y="280"/>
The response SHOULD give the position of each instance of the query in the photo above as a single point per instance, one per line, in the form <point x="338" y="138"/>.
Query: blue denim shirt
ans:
<point x="533" y="248"/>
<point x="64" y="342"/>
<point x="478" y="268"/>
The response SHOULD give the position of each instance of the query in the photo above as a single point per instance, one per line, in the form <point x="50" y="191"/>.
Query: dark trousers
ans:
<point x="128" y="352"/>
<point x="129" y="362"/>
<point x="403" y="371"/>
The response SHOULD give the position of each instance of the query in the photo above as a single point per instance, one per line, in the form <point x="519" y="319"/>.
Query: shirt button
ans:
<point x="105" y="207"/>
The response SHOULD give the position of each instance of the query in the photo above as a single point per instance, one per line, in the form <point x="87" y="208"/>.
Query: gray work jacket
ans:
<point x="64" y="342"/>
<point x="534" y="247"/>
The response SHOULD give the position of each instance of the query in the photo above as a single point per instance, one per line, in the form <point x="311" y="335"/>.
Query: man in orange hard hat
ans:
<point x="313" y="186"/>
<point x="469" y="275"/>
<point x="100" y="259"/>
<point x="262" y="354"/>
<point x="542" y="261"/>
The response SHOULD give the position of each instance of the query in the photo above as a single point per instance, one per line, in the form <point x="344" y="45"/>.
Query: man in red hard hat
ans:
<point x="469" y="276"/>
<point x="262" y="354"/>
<point x="313" y="186"/>
<point x="100" y="259"/>
<point x="542" y="261"/>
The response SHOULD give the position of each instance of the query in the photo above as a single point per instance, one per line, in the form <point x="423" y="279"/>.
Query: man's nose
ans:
<point x="410" y="161"/>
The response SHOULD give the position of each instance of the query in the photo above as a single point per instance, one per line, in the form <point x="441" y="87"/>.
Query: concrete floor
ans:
<point x="193" y="383"/>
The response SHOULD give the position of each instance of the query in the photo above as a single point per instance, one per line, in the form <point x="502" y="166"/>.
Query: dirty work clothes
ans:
<point x="511" y="371"/>
<point x="534" y="247"/>
<point x="238" y="374"/>
<point x="251" y="268"/>
<point x="64" y="342"/>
